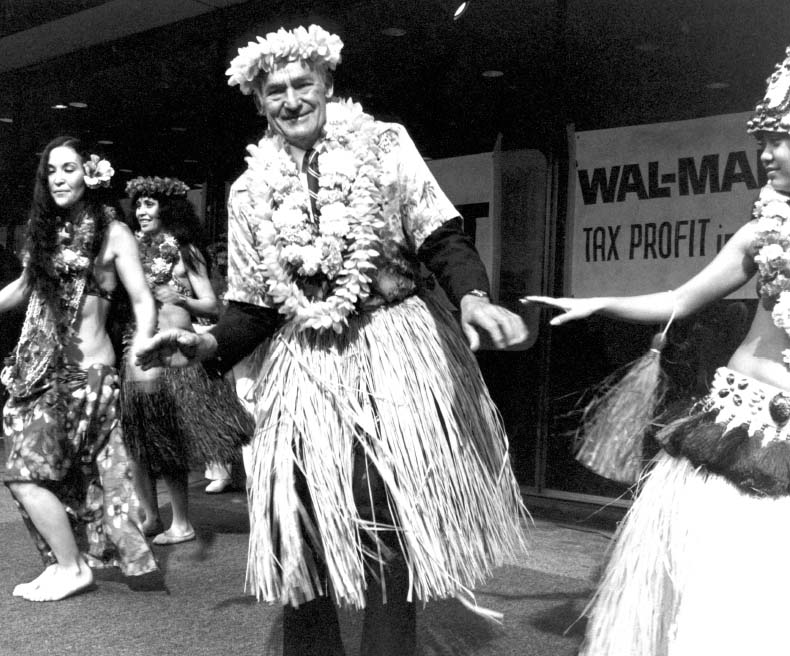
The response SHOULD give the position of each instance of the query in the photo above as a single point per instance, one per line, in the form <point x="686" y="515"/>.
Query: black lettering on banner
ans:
<point x="697" y="181"/>
<point x="600" y="245"/>
<point x="665" y="240"/>
<point x="654" y="190"/>
<point x="668" y="239"/>
<point x="694" y="176"/>
<point x="612" y="253"/>
<point x="737" y="169"/>
<point x="600" y="182"/>
<point x="631" y="181"/>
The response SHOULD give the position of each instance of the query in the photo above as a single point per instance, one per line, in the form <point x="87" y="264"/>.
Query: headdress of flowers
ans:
<point x="772" y="113"/>
<point x="772" y="256"/>
<point x="155" y="186"/>
<point x="318" y="272"/>
<point x="313" y="45"/>
<point x="98" y="172"/>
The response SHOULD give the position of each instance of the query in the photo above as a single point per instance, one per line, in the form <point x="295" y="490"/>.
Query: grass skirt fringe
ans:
<point x="698" y="567"/>
<point x="401" y="385"/>
<point x="184" y="419"/>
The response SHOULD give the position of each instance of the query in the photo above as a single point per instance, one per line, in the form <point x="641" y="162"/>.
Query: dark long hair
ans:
<point x="42" y="225"/>
<point x="179" y="218"/>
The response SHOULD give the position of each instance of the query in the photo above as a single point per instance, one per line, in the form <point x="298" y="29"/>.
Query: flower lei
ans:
<point x="72" y="254"/>
<point x="317" y="274"/>
<point x="772" y="256"/>
<point x="158" y="255"/>
<point x="314" y="45"/>
<point x="45" y="329"/>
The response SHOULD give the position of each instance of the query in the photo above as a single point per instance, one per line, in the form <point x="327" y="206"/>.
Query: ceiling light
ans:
<point x="60" y="106"/>
<point x="191" y="161"/>
<point x="492" y="73"/>
<point x="178" y="129"/>
<point x="78" y="105"/>
<point x="717" y="85"/>
<point x="646" y="46"/>
<point x="125" y="170"/>
<point x="393" y="31"/>
<point x="106" y="142"/>
<point x="6" y="119"/>
<point x="461" y="9"/>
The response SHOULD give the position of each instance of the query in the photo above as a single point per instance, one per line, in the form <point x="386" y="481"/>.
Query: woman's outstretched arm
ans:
<point x="728" y="271"/>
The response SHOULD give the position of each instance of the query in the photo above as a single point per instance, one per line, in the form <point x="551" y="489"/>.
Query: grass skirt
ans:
<point x="698" y="567"/>
<point x="184" y="418"/>
<point x="401" y="387"/>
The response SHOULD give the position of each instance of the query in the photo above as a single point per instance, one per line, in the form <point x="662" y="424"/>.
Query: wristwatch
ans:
<point x="477" y="292"/>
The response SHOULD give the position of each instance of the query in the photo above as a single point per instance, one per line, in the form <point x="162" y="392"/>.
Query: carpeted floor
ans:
<point x="198" y="607"/>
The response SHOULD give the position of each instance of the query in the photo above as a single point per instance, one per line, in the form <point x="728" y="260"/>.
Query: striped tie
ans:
<point x="310" y="167"/>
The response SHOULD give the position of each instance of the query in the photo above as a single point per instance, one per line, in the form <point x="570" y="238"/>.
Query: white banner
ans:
<point x="654" y="203"/>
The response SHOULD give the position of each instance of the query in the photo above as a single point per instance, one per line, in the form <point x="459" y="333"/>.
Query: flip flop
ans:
<point x="165" y="539"/>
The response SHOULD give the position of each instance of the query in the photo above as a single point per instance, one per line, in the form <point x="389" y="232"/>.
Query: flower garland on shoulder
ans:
<point x="771" y="248"/>
<point x="159" y="255"/>
<point x="318" y="274"/>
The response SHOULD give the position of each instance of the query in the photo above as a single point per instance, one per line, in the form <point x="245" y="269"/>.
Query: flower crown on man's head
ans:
<point x="313" y="45"/>
<point x="772" y="114"/>
<point x="98" y="172"/>
<point x="156" y="186"/>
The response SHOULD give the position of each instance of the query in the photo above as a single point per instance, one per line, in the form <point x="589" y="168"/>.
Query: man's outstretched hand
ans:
<point x="175" y="348"/>
<point x="499" y="326"/>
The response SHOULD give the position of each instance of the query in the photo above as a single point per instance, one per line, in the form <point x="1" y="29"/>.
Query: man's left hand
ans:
<point x="503" y="327"/>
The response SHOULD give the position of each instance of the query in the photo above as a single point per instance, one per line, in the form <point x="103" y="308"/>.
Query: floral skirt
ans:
<point x="698" y="566"/>
<point x="67" y="437"/>
<point x="382" y="435"/>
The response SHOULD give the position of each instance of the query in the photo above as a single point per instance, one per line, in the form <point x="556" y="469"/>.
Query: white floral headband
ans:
<point x="314" y="45"/>
<point x="98" y="172"/>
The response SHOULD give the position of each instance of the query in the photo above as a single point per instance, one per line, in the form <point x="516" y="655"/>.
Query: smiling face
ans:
<point x="776" y="159"/>
<point x="293" y="98"/>
<point x="65" y="177"/>
<point x="147" y="212"/>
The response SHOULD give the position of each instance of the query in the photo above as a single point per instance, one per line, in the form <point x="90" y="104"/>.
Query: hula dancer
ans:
<point x="175" y="418"/>
<point x="698" y="566"/>
<point x="380" y="466"/>
<point x="67" y="465"/>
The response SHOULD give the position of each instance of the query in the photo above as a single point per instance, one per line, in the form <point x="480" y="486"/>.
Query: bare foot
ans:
<point x="21" y="589"/>
<point x="60" y="583"/>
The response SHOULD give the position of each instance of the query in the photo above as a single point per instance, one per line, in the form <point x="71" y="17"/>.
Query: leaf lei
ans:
<point x="158" y="255"/>
<point x="317" y="275"/>
<point x="772" y="257"/>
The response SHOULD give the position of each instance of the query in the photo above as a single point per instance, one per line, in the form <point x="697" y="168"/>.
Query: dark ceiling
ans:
<point x="160" y="96"/>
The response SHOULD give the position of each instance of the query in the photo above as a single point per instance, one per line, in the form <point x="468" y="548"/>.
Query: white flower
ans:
<point x="337" y="162"/>
<point x="160" y="266"/>
<point x="285" y="218"/>
<point x="781" y="311"/>
<point x="333" y="220"/>
<point x="770" y="253"/>
<point x="311" y="260"/>
<point x="97" y="172"/>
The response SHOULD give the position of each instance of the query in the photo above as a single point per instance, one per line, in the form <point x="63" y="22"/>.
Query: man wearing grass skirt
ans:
<point x="380" y="466"/>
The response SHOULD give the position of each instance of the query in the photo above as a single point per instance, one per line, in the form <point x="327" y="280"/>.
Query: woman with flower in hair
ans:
<point x="175" y="419"/>
<point x="699" y="564"/>
<point x="67" y="465"/>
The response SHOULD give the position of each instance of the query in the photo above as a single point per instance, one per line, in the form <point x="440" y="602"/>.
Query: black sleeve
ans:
<point x="450" y="254"/>
<point x="240" y="329"/>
